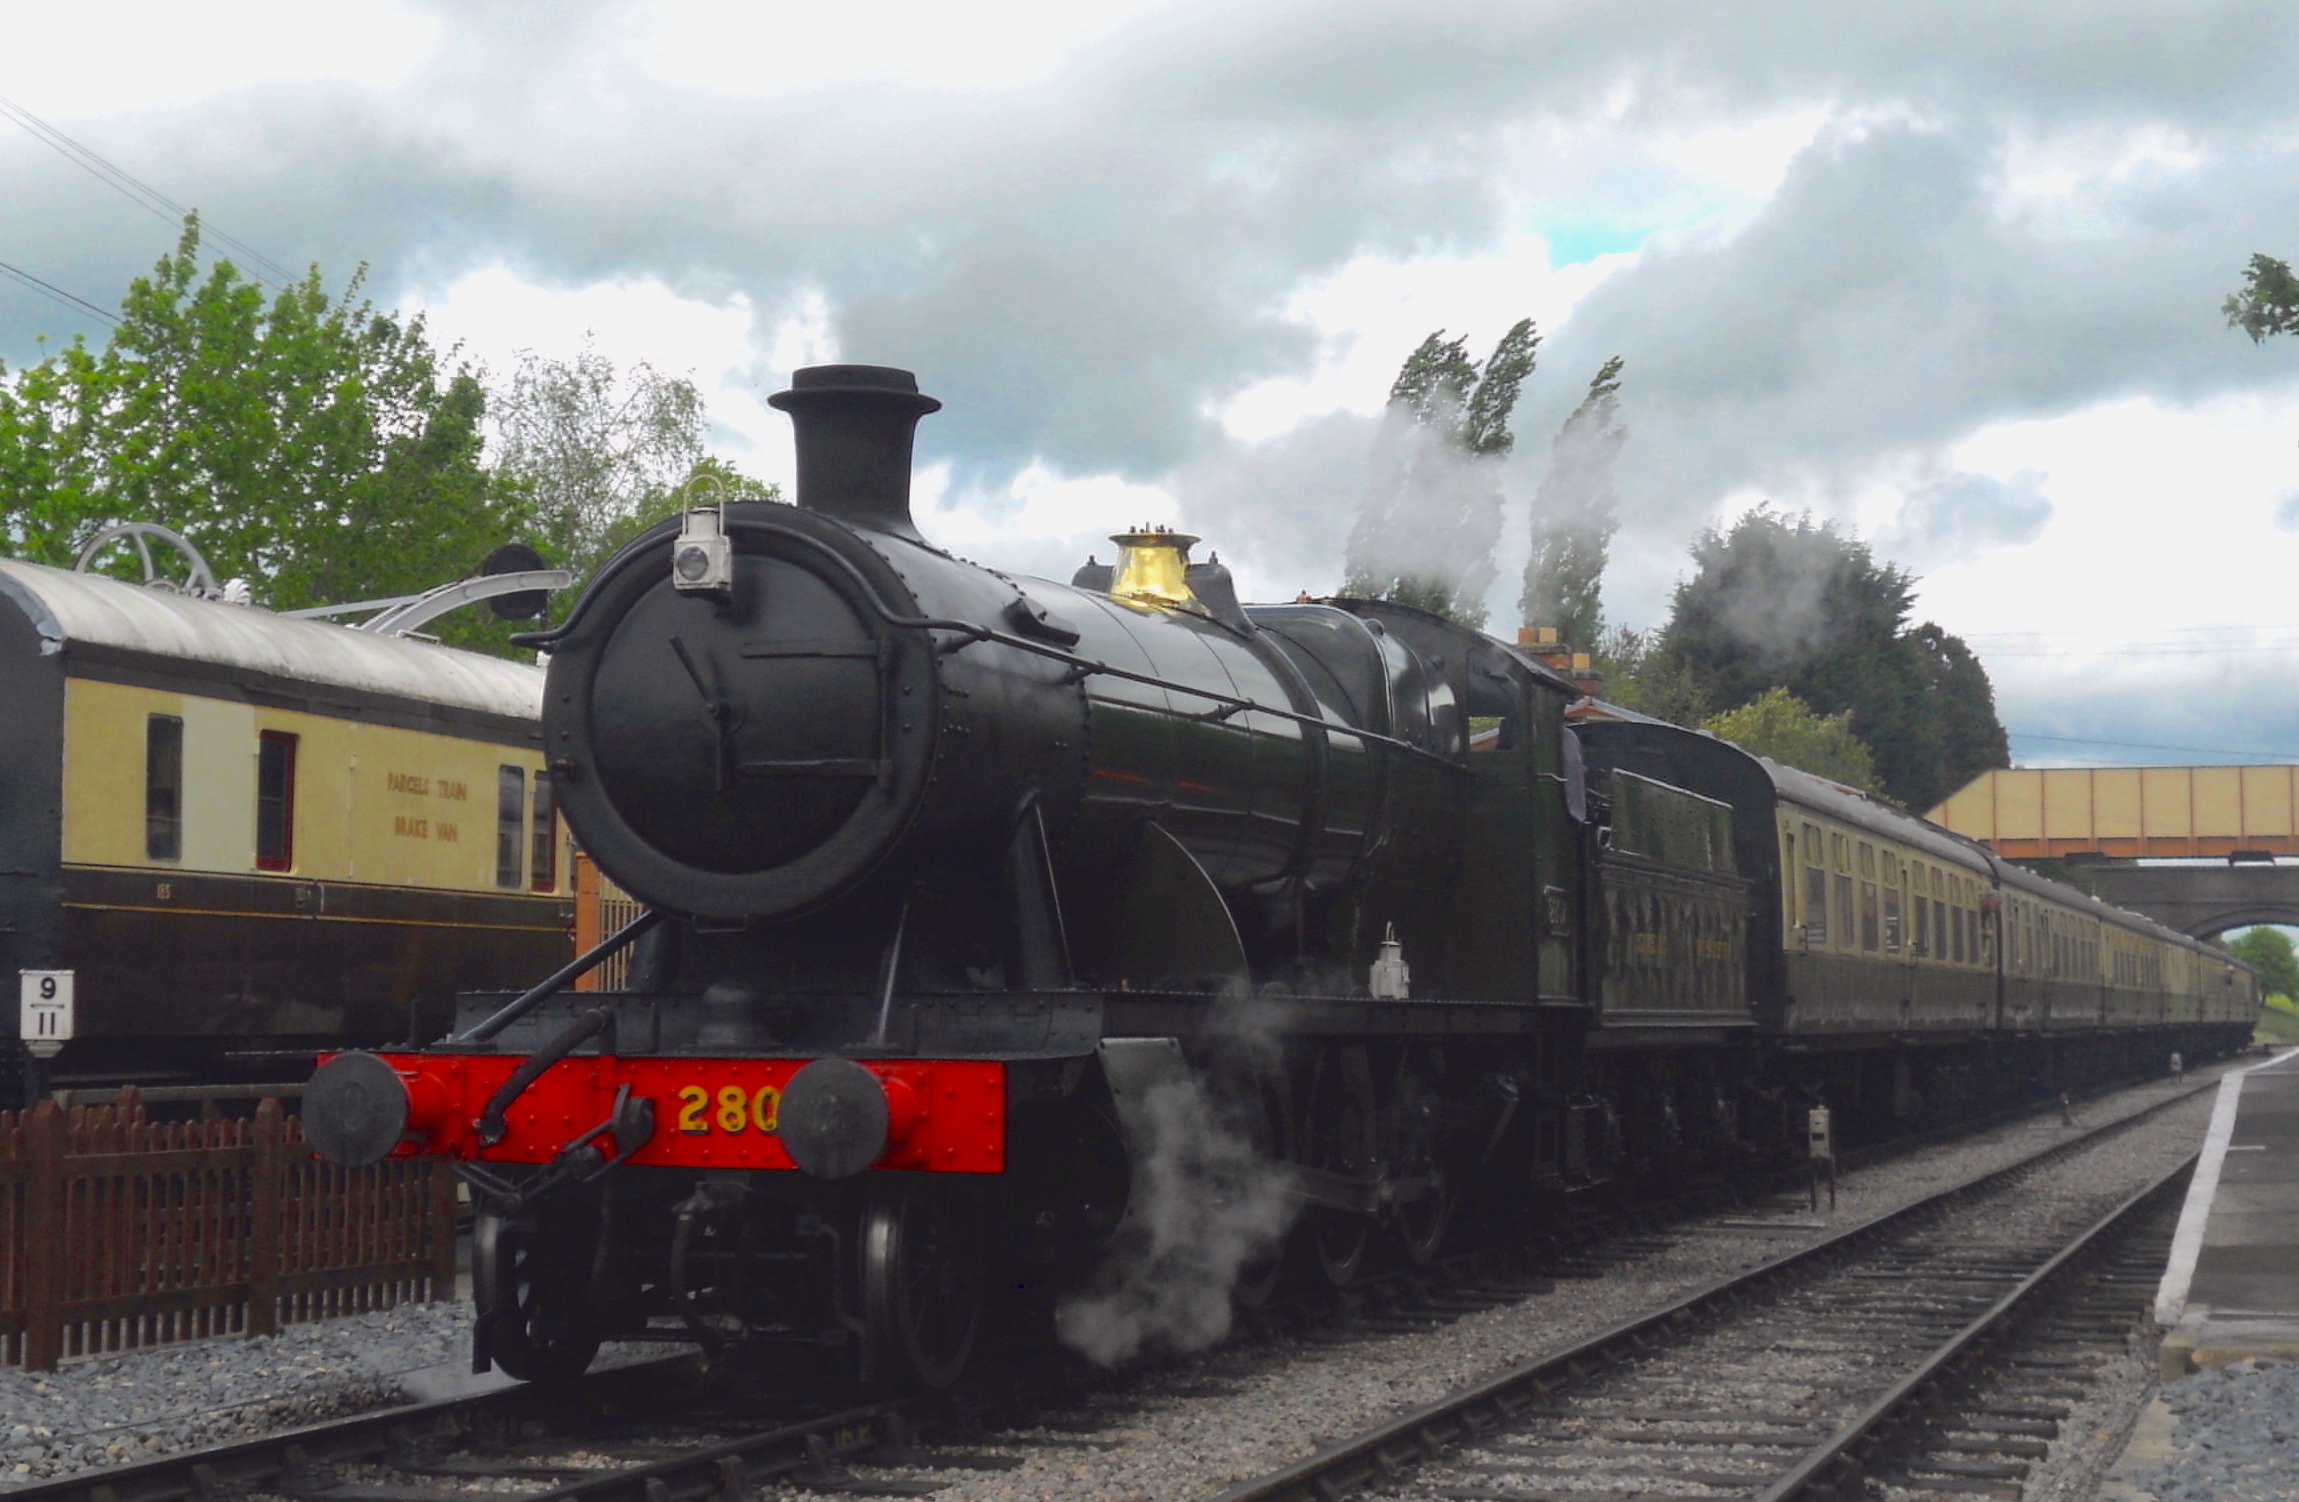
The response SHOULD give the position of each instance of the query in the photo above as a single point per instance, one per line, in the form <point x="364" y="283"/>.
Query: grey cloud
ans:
<point x="2163" y="711"/>
<point x="1086" y="269"/>
<point x="1880" y="308"/>
<point x="1963" y="514"/>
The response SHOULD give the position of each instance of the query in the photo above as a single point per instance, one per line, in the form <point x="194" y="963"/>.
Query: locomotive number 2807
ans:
<point x="734" y="1110"/>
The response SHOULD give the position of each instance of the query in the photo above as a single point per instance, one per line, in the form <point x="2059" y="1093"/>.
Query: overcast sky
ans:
<point x="1949" y="272"/>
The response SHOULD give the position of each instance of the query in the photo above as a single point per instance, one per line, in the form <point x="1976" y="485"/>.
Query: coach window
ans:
<point x="543" y="864"/>
<point x="1922" y="913"/>
<point x="1841" y="848"/>
<point x="510" y="825"/>
<point x="164" y="788"/>
<point x="275" y="801"/>
<point x="1869" y="927"/>
<point x="1815" y="889"/>
<point x="1894" y="878"/>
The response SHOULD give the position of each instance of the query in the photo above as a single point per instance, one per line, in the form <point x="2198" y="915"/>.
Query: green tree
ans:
<point x="1778" y="724"/>
<point x="1639" y="676"/>
<point x="2268" y="301"/>
<point x="2269" y="951"/>
<point x="1575" y="514"/>
<point x="597" y="452"/>
<point x="1962" y="700"/>
<point x="314" y="445"/>
<point x="1431" y="517"/>
<point x="1795" y="604"/>
<point x="710" y="481"/>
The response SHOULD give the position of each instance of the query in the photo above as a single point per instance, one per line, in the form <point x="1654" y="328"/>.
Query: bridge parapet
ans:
<point x="2129" y="812"/>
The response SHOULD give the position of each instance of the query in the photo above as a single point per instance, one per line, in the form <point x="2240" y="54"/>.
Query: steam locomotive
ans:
<point x="961" y="888"/>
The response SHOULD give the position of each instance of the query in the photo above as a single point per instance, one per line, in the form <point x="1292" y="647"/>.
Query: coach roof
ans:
<point x="69" y="609"/>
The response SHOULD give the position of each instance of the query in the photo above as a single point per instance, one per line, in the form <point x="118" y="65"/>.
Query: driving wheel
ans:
<point x="1260" y="1109"/>
<point x="1340" y="1141"/>
<point x="1419" y="1158"/>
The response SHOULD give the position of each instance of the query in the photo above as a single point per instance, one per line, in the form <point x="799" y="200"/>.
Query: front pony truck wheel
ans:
<point x="921" y="1287"/>
<point x="529" y="1283"/>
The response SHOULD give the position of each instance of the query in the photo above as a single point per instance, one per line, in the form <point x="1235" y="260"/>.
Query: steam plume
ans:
<point x="1204" y="1205"/>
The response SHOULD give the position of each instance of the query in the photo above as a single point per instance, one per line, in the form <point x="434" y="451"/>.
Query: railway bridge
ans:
<point x="2222" y="828"/>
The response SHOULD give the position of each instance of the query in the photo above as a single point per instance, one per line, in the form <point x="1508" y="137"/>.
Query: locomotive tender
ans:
<point x="948" y="871"/>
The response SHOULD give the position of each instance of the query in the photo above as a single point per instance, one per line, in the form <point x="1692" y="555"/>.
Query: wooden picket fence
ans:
<point x="117" y="1231"/>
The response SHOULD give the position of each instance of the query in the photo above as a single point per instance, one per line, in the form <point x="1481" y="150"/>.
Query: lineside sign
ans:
<point x="44" y="1010"/>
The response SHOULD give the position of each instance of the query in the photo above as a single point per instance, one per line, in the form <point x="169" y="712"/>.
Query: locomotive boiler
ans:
<point x="959" y="886"/>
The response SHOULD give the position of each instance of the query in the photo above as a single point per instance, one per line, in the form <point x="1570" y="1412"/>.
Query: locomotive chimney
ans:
<point x="854" y="425"/>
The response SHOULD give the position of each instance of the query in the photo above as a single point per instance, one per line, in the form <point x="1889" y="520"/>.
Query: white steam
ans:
<point x="1204" y="1206"/>
<point x="1431" y="518"/>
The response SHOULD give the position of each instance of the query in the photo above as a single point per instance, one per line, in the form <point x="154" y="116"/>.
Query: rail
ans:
<point x="810" y="1451"/>
<point x="1834" y="1467"/>
<point x="1384" y="1451"/>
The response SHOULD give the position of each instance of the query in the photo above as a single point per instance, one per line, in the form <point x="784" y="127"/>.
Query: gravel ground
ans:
<point x="2238" y="1436"/>
<point x="1280" y="1396"/>
<point x="2092" y="1436"/>
<point x="1289" y="1397"/>
<point x="106" y="1410"/>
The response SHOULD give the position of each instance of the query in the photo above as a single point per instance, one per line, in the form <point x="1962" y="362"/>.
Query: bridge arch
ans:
<point x="2201" y="901"/>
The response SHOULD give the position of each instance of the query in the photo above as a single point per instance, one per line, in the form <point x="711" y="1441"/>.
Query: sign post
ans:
<point x="1820" y="1139"/>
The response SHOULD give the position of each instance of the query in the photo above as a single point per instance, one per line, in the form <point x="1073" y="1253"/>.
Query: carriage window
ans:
<point x="1868" y="916"/>
<point x="1867" y="859"/>
<point x="1844" y="910"/>
<point x="1892" y="919"/>
<point x="1815" y="905"/>
<point x="164" y="788"/>
<point x="510" y="824"/>
<point x="543" y="864"/>
<point x="275" y="801"/>
<point x="1923" y="915"/>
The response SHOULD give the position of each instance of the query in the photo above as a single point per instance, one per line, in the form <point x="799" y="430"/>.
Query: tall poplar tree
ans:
<point x="1575" y="514"/>
<point x="1430" y="519"/>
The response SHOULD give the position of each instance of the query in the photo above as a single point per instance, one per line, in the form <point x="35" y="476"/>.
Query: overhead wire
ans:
<point x="2160" y="631"/>
<point x="2079" y="740"/>
<point x="50" y="290"/>
<point x="136" y="190"/>
<point x="1993" y="654"/>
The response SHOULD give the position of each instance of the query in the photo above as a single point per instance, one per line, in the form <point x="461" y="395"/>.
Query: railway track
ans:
<point x="1930" y="1350"/>
<point x="661" y="1432"/>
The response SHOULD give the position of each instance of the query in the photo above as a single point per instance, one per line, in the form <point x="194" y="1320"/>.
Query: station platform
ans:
<point x="2231" y="1288"/>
